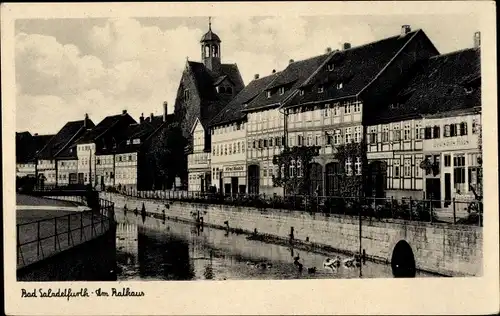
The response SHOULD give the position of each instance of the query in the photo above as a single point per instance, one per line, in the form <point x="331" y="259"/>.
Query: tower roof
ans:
<point x="210" y="36"/>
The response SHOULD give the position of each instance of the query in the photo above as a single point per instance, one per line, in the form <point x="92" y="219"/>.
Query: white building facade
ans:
<point x="229" y="157"/>
<point x="199" y="173"/>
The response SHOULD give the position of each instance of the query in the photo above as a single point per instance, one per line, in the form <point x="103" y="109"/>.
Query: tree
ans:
<point x="295" y="182"/>
<point x="351" y="183"/>
<point x="167" y="157"/>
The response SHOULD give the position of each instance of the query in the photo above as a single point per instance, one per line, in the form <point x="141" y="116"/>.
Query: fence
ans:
<point x="448" y="211"/>
<point x="43" y="238"/>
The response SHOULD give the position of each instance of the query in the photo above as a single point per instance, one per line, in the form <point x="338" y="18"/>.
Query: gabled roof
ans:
<point x="105" y="125"/>
<point x="444" y="83"/>
<point x="63" y="139"/>
<point x="290" y="78"/>
<point x="143" y="131"/>
<point x="28" y="145"/>
<point x="355" y="68"/>
<point x="234" y="110"/>
<point x="206" y="80"/>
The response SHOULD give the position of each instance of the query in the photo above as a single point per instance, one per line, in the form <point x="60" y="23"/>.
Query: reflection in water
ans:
<point x="159" y="249"/>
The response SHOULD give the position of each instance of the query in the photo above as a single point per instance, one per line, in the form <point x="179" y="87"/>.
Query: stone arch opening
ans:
<point x="403" y="261"/>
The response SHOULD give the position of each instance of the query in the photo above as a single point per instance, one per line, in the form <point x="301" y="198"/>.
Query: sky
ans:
<point x="68" y="67"/>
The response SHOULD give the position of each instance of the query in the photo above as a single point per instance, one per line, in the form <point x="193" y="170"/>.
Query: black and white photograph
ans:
<point x="328" y="145"/>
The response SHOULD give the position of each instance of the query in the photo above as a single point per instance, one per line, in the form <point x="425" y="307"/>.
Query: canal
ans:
<point x="154" y="249"/>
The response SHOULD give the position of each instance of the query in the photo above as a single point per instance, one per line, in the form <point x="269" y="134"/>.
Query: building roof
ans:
<point x="105" y="125"/>
<point x="443" y="83"/>
<point x="28" y="145"/>
<point x="143" y="131"/>
<point x="206" y="81"/>
<point x="63" y="138"/>
<point x="210" y="36"/>
<point x="234" y="110"/>
<point x="355" y="68"/>
<point x="290" y="78"/>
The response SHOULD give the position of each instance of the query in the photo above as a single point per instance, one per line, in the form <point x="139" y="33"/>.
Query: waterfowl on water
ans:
<point x="352" y="262"/>
<point x="332" y="263"/>
<point x="311" y="270"/>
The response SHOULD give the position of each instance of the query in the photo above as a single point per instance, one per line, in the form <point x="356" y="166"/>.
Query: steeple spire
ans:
<point x="209" y="23"/>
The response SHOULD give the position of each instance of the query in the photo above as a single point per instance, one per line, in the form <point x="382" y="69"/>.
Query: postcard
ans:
<point x="250" y="158"/>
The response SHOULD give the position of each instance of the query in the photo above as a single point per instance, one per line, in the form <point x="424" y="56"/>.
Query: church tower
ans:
<point x="210" y="49"/>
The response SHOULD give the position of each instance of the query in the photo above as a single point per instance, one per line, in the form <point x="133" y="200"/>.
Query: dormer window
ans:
<point x="282" y="90"/>
<point x="468" y="90"/>
<point x="186" y="94"/>
<point x="128" y="141"/>
<point x="340" y="85"/>
<point x="320" y="89"/>
<point x="268" y="93"/>
<point x="302" y="92"/>
<point x="331" y="67"/>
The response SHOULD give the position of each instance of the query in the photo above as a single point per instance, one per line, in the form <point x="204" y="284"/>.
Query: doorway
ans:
<point x="234" y="185"/>
<point x="447" y="189"/>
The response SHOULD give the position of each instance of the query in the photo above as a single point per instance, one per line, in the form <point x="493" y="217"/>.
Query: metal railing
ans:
<point x="43" y="238"/>
<point x="427" y="210"/>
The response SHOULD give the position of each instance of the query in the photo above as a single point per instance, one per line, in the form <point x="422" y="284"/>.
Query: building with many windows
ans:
<point x="229" y="141"/>
<point x="426" y="145"/>
<point x="333" y="105"/>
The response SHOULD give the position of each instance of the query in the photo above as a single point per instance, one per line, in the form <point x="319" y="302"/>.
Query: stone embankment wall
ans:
<point x="454" y="250"/>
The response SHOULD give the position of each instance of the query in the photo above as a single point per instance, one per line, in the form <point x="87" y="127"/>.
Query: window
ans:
<point x="447" y="131"/>
<point x="213" y="151"/>
<point x="270" y="142"/>
<point x="348" y="166"/>
<point x="331" y="67"/>
<point x="453" y="130"/>
<point x="357" y="134"/>
<point x="265" y="143"/>
<point x="186" y="94"/>
<point x="301" y="91"/>
<point x="407" y="132"/>
<point x="357" y="165"/>
<point x="329" y="139"/>
<point x="347" y="135"/>
<point x="373" y="135"/>
<point x="418" y="130"/>
<point x="463" y="128"/>
<point x="336" y="137"/>
<point x="317" y="141"/>
<point x="347" y="108"/>
<point x="336" y="111"/>
<point x="357" y="107"/>
<point x="396" y="134"/>
<point x="299" y="140"/>
<point x="396" y="166"/>
<point x="326" y="112"/>
<point x="407" y="168"/>
<point x="242" y="147"/>
<point x="475" y="126"/>
<point x="418" y="170"/>
<point x="225" y="149"/>
<point x="447" y="160"/>
<point x="459" y="173"/>
<point x="385" y="133"/>
<point x="339" y="85"/>
<point x="309" y="140"/>
<point x="268" y="93"/>
<point x="436" y="131"/>
<point x="320" y="89"/>
<point x="282" y="90"/>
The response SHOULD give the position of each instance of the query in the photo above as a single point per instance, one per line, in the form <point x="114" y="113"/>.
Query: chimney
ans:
<point x="256" y="76"/>
<point x="477" y="39"/>
<point x="405" y="29"/>
<point x="328" y="50"/>
<point x="85" y="120"/>
<point x="274" y="71"/>
<point x="141" y="119"/>
<point x="165" y="111"/>
<point x="291" y="61"/>
<point x="347" y="45"/>
<point x="36" y="134"/>
<point x="151" y="117"/>
<point x="124" y="112"/>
